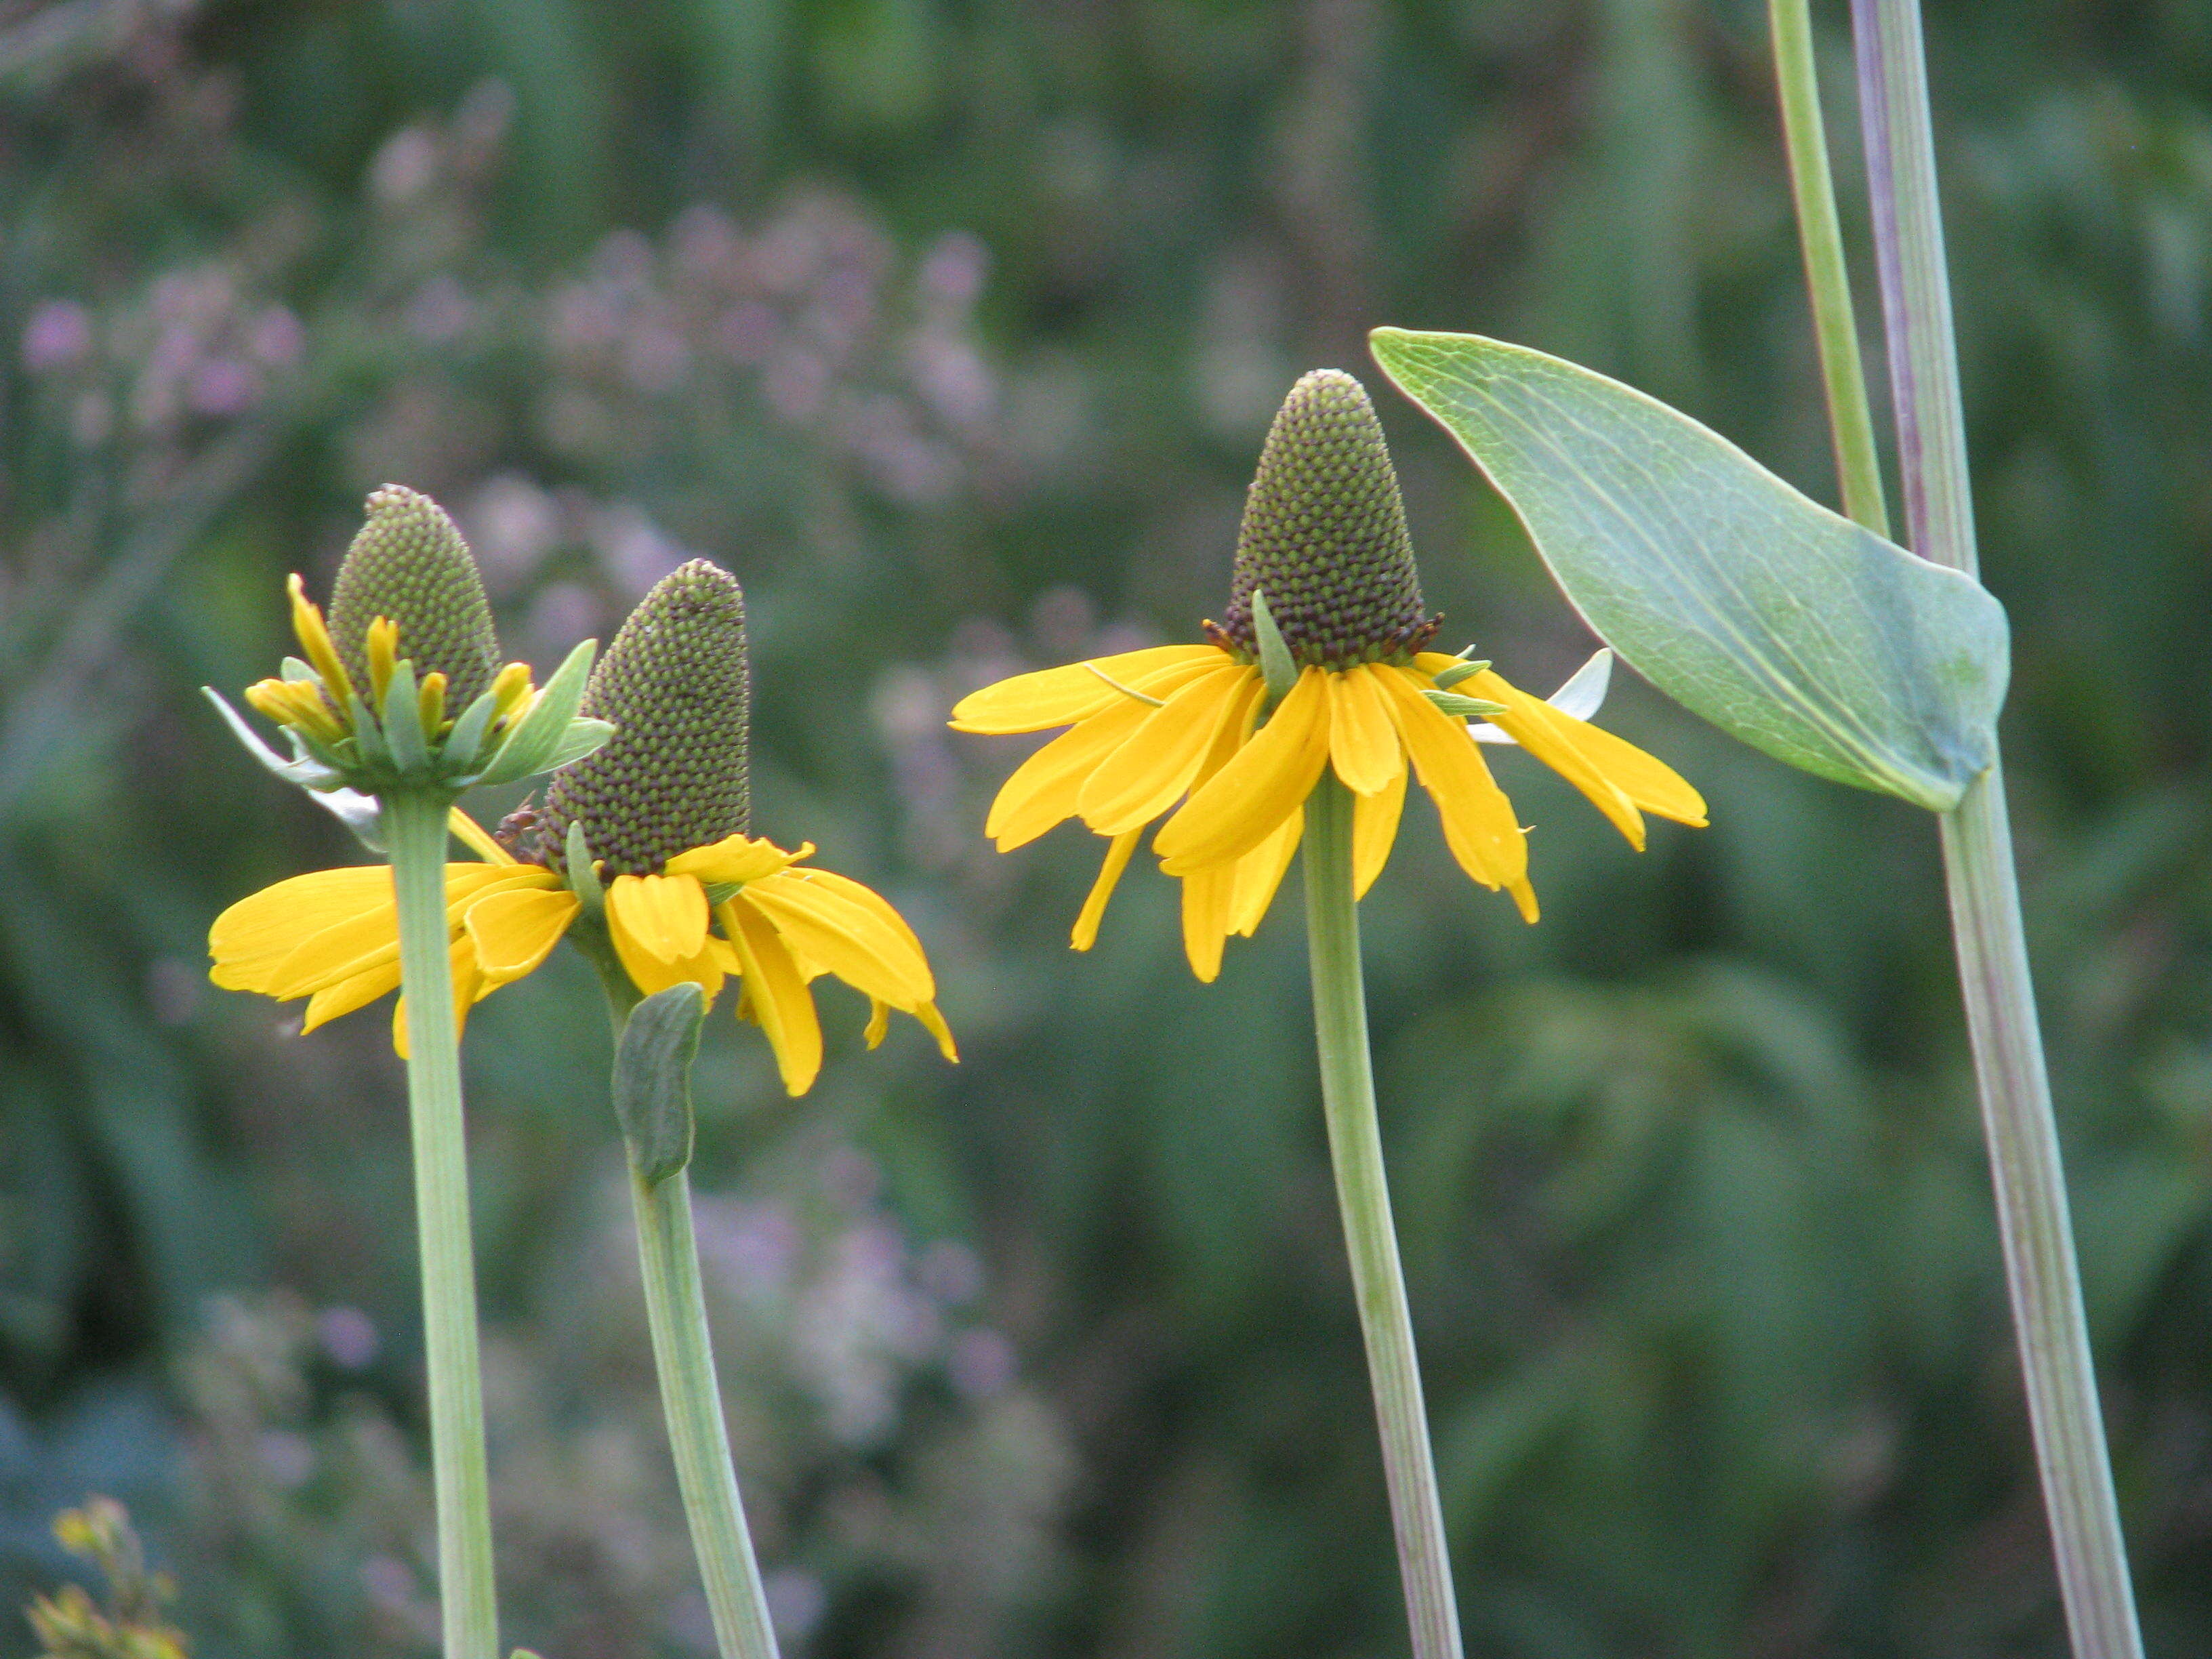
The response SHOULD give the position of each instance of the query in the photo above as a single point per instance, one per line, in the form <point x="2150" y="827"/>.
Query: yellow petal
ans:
<point x="347" y="994"/>
<point x="1243" y="802"/>
<point x="1480" y="827"/>
<point x="1150" y="770"/>
<point x="1362" y="744"/>
<point x="738" y="858"/>
<point x="933" y="1023"/>
<point x="1374" y="829"/>
<point x="373" y="939"/>
<point x="383" y="651"/>
<point x="1205" y="895"/>
<point x="868" y="899"/>
<point x="1060" y="697"/>
<point x="1260" y="873"/>
<point x="1085" y="934"/>
<point x="1525" y="896"/>
<point x="1649" y="781"/>
<point x="1044" y="789"/>
<point x="253" y="936"/>
<point x="315" y="641"/>
<point x="879" y="1021"/>
<point x="845" y="938"/>
<point x="1551" y="737"/>
<point x="705" y="967"/>
<point x="665" y="916"/>
<point x="515" y="930"/>
<point x="777" y="995"/>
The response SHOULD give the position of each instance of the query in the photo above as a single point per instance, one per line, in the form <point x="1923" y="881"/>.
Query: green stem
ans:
<point x="415" y="834"/>
<point x="1347" y="1088"/>
<point x="691" y="1395"/>
<point x="2021" y="1129"/>
<point x="1850" y="420"/>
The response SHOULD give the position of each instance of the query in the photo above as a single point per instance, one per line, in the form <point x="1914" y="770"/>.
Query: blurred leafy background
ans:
<point x="951" y="326"/>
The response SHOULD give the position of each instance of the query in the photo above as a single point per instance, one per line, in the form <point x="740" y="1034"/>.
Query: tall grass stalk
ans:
<point x="2024" y="1163"/>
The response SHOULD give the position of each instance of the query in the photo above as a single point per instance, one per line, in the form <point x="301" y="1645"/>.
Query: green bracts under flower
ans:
<point x="1324" y="536"/>
<point x="675" y="684"/>
<point x="409" y="564"/>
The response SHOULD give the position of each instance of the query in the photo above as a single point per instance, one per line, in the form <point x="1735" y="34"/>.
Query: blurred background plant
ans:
<point x="952" y="331"/>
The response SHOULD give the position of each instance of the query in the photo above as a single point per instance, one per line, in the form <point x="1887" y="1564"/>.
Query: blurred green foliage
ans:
<point x="952" y="330"/>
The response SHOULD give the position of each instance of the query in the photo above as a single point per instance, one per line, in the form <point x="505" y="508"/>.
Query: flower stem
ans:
<point x="1835" y="327"/>
<point x="415" y="834"/>
<point x="668" y="1255"/>
<point x="1347" y="1089"/>
<point x="2021" y="1129"/>
<point x="691" y="1395"/>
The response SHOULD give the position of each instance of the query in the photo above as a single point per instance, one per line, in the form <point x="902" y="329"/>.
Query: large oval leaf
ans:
<point x="1778" y="620"/>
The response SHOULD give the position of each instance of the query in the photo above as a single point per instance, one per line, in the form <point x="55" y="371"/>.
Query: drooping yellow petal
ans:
<point x="1150" y="770"/>
<point x="845" y="938"/>
<point x="372" y="939"/>
<point x="1654" y="785"/>
<point x="1362" y="744"/>
<point x="933" y="1023"/>
<point x="1260" y="873"/>
<point x="347" y="994"/>
<point x="1060" y="697"/>
<point x="777" y="995"/>
<point x="249" y="940"/>
<point x="1524" y="895"/>
<point x="1480" y="827"/>
<point x="1551" y="737"/>
<point x="1374" y="830"/>
<point x="1646" y="779"/>
<point x="879" y="1022"/>
<point x="737" y="859"/>
<point x="706" y="967"/>
<point x="477" y="839"/>
<point x="665" y="916"/>
<point x="515" y="930"/>
<point x="1045" y="789"/>
<point x="868" y="899"/>
<point x="1205" y="895"/>
<point x="1242" y="804"/>
<point x="1085" y="932"/>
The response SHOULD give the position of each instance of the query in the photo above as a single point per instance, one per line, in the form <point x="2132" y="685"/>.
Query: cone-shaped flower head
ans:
<point x="400" y="687"/>
<point x="1324" y="536"/>
<point x="675" y="684"/>
<point x="410" y="565"/>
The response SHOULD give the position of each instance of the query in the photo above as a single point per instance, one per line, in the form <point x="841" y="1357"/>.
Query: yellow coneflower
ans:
<point x="1324" y="561"/>
<point x="682" y="892"/>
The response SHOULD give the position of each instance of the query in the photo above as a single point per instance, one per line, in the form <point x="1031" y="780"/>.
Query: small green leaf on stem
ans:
<point x="653" y="1079"/>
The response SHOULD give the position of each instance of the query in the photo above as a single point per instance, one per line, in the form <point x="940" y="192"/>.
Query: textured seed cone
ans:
<point x="675" y="684"/>
<point x="410" y="564"/>
<point x="1324" y="535"/>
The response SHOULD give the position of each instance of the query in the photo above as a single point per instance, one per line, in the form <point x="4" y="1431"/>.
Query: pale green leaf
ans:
<point x="653" y="1079"/>
<point x="1748" y="602"/>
